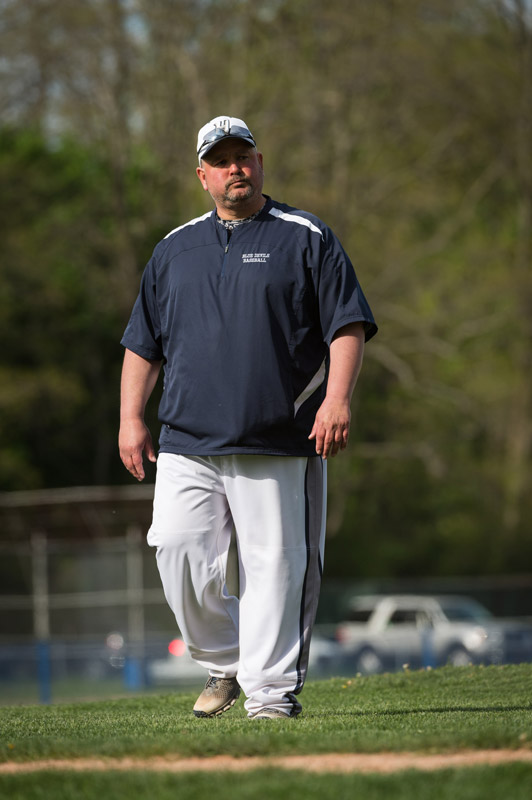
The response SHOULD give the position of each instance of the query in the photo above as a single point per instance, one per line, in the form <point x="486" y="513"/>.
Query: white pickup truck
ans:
<point x="385" y="633"/>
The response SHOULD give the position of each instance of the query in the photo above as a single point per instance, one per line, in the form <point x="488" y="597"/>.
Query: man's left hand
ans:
<point x="331" y="427"/>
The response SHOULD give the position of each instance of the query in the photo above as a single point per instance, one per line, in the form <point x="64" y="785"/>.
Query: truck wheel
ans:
<point x="368" y="662"/>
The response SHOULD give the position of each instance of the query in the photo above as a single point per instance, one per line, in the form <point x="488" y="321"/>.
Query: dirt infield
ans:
<point x="337" y="763"/>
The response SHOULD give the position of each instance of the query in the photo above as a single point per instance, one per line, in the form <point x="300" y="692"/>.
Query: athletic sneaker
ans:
<point x="218" y="696"/>
<point x="274" y="713"/>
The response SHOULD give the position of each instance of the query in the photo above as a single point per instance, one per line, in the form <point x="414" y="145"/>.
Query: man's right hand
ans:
<point x="134" y="438"/>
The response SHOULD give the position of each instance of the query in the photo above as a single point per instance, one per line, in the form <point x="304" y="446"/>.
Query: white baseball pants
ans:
<point x="240" y="543"/>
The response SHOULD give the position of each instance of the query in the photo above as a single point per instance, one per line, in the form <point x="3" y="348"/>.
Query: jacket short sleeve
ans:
<point x="340" y="296"/>
<point x="143" y="331"/>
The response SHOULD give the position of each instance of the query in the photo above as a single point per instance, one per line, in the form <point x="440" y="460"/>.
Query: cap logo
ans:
<point x="224" y="124"/>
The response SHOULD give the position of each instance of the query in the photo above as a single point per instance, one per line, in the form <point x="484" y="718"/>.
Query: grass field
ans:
<point x="504" y="783"/>
<point x="443" y="710"/>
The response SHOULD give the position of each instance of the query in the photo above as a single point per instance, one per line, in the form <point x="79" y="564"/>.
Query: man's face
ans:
<point x="232" y="174"/>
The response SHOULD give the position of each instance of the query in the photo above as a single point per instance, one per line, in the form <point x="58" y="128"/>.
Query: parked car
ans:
<point x="387" y="632"/>
<point x="325" y="655"/>
<point x="179" y="668"/>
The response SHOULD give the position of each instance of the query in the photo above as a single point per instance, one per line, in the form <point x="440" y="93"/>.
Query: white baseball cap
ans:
<point x="222" y="128"/>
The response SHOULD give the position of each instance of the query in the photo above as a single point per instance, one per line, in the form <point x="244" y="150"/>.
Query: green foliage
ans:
<point x="63" y="304"/>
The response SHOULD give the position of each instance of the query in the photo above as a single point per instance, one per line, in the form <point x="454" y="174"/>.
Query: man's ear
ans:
<point x="200" y="172"/>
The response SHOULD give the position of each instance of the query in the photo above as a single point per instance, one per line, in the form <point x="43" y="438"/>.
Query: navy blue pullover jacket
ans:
<point x="243" y="324"/>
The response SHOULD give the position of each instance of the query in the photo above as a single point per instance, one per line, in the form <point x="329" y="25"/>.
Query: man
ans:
<point x="256" y="313"/>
